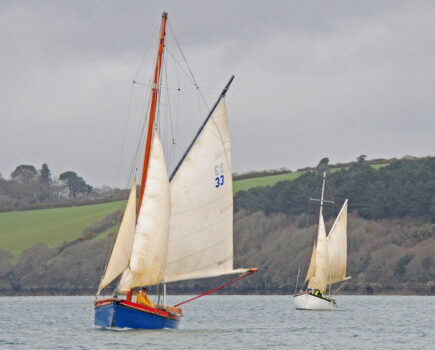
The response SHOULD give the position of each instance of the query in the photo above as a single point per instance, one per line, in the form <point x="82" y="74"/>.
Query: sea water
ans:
<point x="226" y="322"/>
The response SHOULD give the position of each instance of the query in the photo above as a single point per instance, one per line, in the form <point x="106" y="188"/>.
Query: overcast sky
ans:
<point x="313" y="79"/>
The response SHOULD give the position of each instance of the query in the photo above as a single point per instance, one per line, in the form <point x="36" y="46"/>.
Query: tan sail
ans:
<point x="337" y="247"/>
<point x="201" y="225"/>
<point x="320" y="278"/>
<point x="312" y="268"/>
<point x="124" y="242"/>
<point x="332" y="251"/>
<point x="148" y="259"/>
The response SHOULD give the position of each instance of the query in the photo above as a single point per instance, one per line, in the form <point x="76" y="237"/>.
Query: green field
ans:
<point x="246" y="184"/>
<point x="20" y="230"/>
<point x="378" y="166"/>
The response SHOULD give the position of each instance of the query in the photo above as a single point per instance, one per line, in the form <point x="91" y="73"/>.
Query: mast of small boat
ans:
<point x="321" y="213"/>
<point x="155" y="94"/>
<point x="321" y="208"/>
<point x="323" y="191"/>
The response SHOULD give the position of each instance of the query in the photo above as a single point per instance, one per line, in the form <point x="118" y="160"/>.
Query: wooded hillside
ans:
<point x="391" y="237"/>
<point x="405" y="188"/>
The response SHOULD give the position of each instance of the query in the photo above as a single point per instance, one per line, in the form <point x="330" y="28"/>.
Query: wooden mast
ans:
<point x="153" y="109"/>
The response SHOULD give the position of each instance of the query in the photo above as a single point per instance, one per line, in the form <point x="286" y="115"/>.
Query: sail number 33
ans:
<point x="219" y="172"/>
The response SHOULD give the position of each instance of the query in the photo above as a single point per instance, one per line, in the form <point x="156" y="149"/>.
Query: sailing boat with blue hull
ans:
<point x="182" y="227"/>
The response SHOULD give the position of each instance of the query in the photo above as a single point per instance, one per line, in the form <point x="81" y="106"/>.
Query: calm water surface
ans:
<point x="227" y="322"/>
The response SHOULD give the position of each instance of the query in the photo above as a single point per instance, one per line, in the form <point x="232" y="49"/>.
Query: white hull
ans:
<point x="306" y="301"/>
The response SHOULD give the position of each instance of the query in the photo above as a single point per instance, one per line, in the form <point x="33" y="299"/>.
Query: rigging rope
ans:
<point x="139" y="141"/>
<point x="107" y="252"/>
<point x="331" y="195"/>
<point x="187" y="64"/>
<point x="250" y="272"/>
<point x="132" y="167"/>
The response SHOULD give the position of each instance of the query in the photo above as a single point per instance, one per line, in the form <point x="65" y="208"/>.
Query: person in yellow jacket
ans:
<point x="319" y="293"/>
<point x="143" y="298"/>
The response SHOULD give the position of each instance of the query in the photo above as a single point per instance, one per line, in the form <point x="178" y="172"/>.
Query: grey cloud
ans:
<point x="313" y="79"/>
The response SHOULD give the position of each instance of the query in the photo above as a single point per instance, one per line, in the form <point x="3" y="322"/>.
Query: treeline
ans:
<point x="29" y="188"/>
<point x="406" y="187"/>
<point x="254" y="174"/>
<point x="272" y="172"/>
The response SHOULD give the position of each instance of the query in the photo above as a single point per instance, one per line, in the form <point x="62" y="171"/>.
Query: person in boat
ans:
<point x="143" y="298"/>
<point x="319" y="293"/>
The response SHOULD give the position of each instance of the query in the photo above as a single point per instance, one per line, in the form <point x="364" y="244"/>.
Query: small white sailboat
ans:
<point x="328" y="262"/>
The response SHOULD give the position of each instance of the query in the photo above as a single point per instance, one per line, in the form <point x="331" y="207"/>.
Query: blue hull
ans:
<point x="117" y="315"/>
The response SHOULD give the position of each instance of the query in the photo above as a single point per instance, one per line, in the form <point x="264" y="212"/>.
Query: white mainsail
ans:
<point x="121" y="253"/>
<point x="201" y="224"/>
<point x="150" y="247"/>
<point x="328" y="262"/>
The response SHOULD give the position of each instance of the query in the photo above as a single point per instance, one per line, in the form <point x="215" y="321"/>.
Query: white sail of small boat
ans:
<point x="328" y="262"/>
<point x="182" y="228"/>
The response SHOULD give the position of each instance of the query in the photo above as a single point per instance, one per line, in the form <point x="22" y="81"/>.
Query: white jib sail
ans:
<point x="201" y="225"/>
<point x="321" y="275"/>
<point x="124" y="242"/>
<point x="150" y="247"/>
<point x="337" y="247"/>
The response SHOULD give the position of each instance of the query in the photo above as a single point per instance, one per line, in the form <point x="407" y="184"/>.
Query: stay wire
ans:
<point x="250" y="272"/>
<point x="180" y="66"/>
<point x="307" y="216"/>
<point x="108" y="251"/>
<point x="171" y="138"/>
<point x="140" y="137"/>
<point x="331" y="196"/>
<point x="187" y="64"/>
<point x="147" y="50"/>
<point x="177" y="109"/>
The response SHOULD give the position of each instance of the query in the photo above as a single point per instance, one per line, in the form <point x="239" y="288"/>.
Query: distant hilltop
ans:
<point x="362" y="158"/>
<point x="29" y="188"/>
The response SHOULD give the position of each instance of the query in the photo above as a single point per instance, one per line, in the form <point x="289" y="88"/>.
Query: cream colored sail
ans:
<point x="320" y="278"/>
<point x="337" y="247"/>
<point x="312" y="268"/>
<point x="148" y="259"/>
<point x="201" y="225"/>
<point x="332" y="252"/>
<point x="124" y="242"/>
